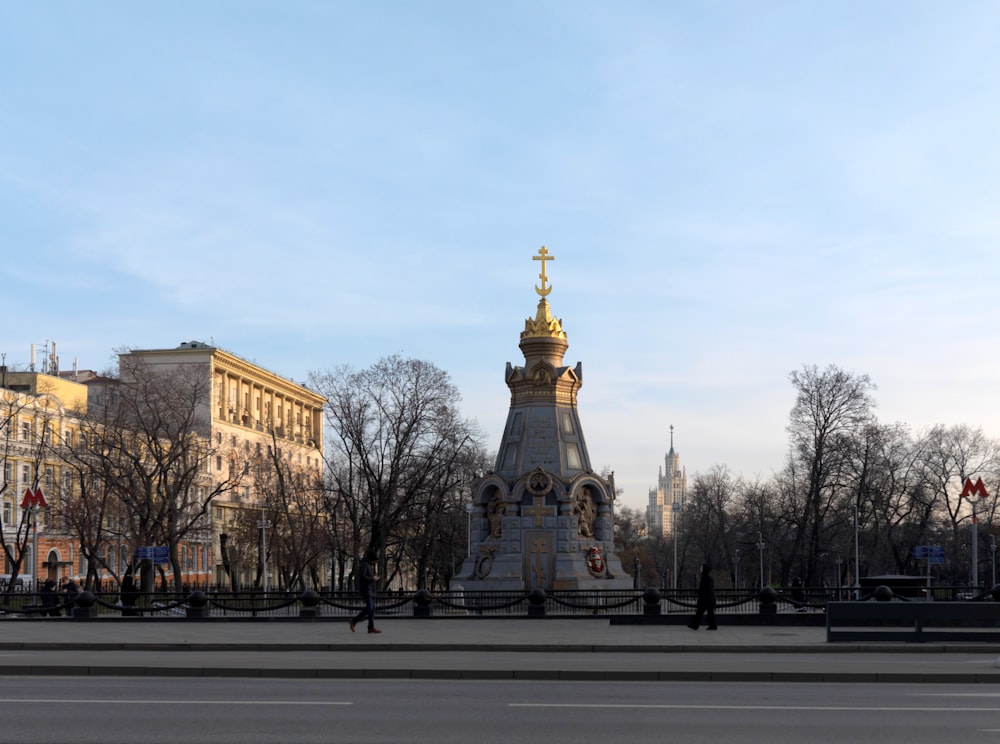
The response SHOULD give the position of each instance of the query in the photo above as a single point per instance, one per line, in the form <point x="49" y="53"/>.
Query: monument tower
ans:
<point x="542" y="518"/>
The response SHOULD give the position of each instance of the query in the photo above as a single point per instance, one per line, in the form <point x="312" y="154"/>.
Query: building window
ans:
<point x="567" y="422"/>
<point x="573" y="460"/>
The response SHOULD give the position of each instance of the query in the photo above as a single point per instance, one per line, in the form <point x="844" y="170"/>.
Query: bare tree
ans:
<point x="144" y="442"/>
<point x="291" y="499"/>
<point x="27" y="423"/>
<point x="708" y="520"/>
<point x="831" y="407"/>
<point x="397" y="448"/>
<point x="952" y="454"/>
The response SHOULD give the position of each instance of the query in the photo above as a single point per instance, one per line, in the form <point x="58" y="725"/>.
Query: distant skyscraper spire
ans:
<point x="669" y="494"/>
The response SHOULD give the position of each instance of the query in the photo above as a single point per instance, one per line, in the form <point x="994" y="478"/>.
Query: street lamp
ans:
<point x="993" y="558"/>
<point x="673" y="534"/>
<point x="262" y="525"/>
<point x="857" y="561"/>
<point x="469" y="508"/>
<point x="760" y="552"/>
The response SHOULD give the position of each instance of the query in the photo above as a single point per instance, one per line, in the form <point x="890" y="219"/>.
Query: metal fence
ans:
<point x="497" y="604"/>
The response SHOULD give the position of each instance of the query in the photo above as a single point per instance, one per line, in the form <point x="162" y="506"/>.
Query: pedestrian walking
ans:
<point x="72" y="591"/>
<point x="706" y="599"/>
<point x="50" y="599"/>
<point x="128" y="595"/>
<point x="367" y="580"/>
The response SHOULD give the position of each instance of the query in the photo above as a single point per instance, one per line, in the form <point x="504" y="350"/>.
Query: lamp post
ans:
<point x="262" y="525"/>
<point x="857" y="560"/>
<point x="469" y="508"/>
<point x="993" y="559"/>
<point x="760" y="553"/>
<point x="975" y="548"/>
<point x="673" y="534"/>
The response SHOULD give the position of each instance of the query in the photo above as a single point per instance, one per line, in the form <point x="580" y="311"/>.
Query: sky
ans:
<point x="731" y="190"/>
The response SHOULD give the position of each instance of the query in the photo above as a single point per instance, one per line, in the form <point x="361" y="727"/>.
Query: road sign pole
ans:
<point x="975" y="549"/>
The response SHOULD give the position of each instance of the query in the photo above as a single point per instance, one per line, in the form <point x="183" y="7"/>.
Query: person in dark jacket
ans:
<point x="72" y="591"/>
<point x="706" y="599"/>
<point x="129" y="594"/>
<point x="367" y="580"/>
<point x="50" y="599"/>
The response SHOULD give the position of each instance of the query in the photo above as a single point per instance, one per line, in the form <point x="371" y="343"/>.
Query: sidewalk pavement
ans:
<point x="475" y="648"/>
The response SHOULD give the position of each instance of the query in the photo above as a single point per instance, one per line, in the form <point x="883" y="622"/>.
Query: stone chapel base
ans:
<point x="571" y="574"/>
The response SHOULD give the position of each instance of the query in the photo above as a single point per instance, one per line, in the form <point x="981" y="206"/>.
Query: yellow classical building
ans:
<point x="38" y="412"/>
<point x="248" y="410"/>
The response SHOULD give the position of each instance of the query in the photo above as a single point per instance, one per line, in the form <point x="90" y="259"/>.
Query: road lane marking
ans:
<point x="835" y="708"/>
<point x="82" y="701"/>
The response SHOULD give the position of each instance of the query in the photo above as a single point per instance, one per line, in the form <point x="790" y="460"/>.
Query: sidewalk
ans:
<point x="461" y="648"/>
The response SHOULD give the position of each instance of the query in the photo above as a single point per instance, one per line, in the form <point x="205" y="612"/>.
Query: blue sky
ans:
<point x="731" y="190"/>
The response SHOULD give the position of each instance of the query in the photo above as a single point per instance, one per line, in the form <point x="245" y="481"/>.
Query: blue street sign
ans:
<point x="934" y="553"/>
<point x="154" y="553"/>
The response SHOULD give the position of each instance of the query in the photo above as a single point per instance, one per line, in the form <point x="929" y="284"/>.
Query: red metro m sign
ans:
<point x="33" y="498"/>
<point x="973" y="491"/>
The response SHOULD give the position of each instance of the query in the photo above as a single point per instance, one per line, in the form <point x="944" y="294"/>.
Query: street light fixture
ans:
<point x="993" y="556"/>
<point x="262" y="525"/>
<point x="673" y="534"/>
<point x="469" y="508"/>
<point x="857" y="560"/>
<point x="760" y="552"/>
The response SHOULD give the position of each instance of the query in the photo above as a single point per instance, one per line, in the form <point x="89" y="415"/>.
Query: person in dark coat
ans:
<point x="50" y="599"/>
<point x="706" y="599"/>
<point x="72" y="591"/>
<point x="129" y="594"/>
<point x="367" y="580"/>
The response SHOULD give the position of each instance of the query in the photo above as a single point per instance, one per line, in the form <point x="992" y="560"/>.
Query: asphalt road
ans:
<point x="155" y="710"/>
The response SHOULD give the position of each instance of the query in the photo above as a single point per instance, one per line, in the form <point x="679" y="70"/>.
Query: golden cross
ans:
<point x="543" y="256"/>
<point x="538" y="511"/>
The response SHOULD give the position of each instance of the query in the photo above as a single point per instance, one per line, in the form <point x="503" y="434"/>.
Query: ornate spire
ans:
<point x="543" y="325"/>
